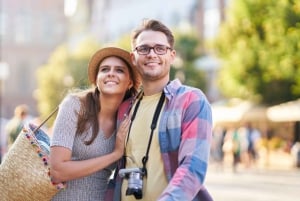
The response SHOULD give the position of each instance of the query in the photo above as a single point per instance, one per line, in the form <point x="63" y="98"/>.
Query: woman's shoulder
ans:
<point x="70" y="101"/>
<point x="75" y="95"/>
<point x="71" y="98"/>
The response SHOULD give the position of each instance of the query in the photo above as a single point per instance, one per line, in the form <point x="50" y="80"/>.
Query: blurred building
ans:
<point x="30" y="30"/>
<point x="110" y="18"/>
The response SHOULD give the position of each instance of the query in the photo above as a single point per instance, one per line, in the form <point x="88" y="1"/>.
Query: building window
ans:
<point x="3" y="26"/>
<point x="23" y="29"/>
<point x="22" y="78"/>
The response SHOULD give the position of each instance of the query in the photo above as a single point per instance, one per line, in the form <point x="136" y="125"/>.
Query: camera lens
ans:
<point x="135" y="185"/>
<point x="138" y="194"/>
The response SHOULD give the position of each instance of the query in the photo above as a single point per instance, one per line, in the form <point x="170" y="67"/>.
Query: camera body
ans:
<point x="135" y="181"/>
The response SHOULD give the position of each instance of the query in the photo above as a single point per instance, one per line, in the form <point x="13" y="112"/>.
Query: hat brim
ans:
<point x="101" y="54"/>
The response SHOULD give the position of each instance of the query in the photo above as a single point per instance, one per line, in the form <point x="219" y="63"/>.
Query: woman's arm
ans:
<point x="62" y="168"/>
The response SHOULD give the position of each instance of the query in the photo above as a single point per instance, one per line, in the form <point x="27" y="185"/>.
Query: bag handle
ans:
<point x="51" y="114"/>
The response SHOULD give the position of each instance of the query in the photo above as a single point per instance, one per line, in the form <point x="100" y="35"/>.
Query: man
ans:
<point x="16" y="123"/>
<point x="168" y="144"/>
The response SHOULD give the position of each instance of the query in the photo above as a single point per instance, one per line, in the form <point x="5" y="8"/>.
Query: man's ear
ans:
<point x="173" y="55"/>
<point x="132" y="56"/>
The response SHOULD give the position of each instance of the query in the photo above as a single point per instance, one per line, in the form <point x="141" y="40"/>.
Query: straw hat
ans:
<point x="101" y="54"/>
<point x="24" y="173"/>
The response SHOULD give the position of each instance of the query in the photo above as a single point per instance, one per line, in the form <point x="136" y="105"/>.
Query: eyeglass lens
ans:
<point x="158" y="49"/>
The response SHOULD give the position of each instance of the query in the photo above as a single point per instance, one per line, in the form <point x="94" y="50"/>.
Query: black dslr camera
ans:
<point x="135" y="181"/>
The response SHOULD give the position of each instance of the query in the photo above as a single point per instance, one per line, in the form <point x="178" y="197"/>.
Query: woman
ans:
<point x="85" y="144"/>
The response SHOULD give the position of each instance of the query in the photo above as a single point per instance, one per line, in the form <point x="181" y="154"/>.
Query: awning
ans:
<point x="236" y="111"/>
<point x="229" y="111"/>
<point x="289" y="111"/>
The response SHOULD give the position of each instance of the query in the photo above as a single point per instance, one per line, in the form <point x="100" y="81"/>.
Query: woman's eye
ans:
<point x="119" y="70"/>
<point x="104" y="69"/>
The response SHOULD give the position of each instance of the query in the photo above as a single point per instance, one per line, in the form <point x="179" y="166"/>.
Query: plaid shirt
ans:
<point x="185" y="132"/>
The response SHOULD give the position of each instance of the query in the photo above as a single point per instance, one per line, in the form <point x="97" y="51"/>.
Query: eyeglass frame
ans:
<point x="153" y="48"/>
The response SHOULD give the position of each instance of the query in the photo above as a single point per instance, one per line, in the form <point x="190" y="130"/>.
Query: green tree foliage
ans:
<point x="124" y="42"/>
<point x="187" y="46"/>
<point x="65" y="70"/>
<point x="259" y="44"/>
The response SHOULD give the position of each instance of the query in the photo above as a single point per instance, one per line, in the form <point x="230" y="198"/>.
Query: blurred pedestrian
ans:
<point x="16" y="123"/>
<point x="236" y="140"/>
<point x="232" y="147"/>
<point x="244" y="144"/>
<point x="217" y="152"/>
<point x="254" y="136"/>
<point x="295" y="152"/>
<point x="3" y="138"/>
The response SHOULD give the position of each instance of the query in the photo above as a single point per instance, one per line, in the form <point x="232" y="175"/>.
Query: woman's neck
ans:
<point x="109" y="106"/>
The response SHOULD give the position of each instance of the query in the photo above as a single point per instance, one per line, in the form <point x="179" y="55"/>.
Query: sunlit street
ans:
<point x="254" y="184"/>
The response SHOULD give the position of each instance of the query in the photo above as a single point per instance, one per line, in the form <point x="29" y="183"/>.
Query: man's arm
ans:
<point x="193" y="152"/>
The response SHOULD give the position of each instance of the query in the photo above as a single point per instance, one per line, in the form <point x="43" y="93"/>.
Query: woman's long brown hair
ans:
<point x="89" y="108"/>
<point x="88" y="113"/>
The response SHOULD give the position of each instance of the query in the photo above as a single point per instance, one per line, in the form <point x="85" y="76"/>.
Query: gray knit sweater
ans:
<point x="92" y="187"/>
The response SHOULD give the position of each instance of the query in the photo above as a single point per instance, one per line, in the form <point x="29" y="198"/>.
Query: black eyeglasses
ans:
<point x="158" y="49"/>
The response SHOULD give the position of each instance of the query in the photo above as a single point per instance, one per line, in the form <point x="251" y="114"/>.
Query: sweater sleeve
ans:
<point x="65" y="125"/>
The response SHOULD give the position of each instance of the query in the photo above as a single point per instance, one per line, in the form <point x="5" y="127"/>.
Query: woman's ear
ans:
<point x="130" y="84"/>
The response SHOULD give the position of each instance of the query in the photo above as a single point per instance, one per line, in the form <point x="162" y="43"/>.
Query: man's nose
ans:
<point x="151" y="52"/>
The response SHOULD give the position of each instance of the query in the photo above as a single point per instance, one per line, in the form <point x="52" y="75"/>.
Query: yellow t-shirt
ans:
<point x="156" y="181"/>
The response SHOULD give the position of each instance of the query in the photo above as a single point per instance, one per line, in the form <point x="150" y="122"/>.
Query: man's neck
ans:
<point x="154" y="87"/>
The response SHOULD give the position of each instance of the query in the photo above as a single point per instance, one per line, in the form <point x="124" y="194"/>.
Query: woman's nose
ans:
<point x="111" y="72"/>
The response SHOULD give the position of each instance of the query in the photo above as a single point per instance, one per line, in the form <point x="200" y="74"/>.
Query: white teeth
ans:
<point x="152" y="62"/>
<point x="110" y="82"/>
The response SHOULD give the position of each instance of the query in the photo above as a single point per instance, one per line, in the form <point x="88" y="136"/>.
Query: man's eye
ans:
<point x="144" y="49"/>
<point x="160" y="48"/>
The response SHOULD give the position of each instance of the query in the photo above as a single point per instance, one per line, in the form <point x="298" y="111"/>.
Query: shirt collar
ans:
<point x="171" y="89"/>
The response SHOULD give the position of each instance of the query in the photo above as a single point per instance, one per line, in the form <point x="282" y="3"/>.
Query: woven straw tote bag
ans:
<point x="24" y="172"/>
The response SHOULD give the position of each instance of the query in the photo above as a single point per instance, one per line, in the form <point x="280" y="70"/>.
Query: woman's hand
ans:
<point x="63" y="168"/>
<point x="121" y="136"/>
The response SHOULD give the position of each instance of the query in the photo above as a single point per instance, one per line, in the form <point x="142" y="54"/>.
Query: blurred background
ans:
<point x="244" y="54"/>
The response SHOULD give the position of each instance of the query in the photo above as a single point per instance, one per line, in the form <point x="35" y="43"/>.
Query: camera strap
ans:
<point x="153" y="126"/>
